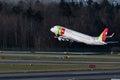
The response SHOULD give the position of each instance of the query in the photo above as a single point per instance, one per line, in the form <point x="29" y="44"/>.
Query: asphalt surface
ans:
<point x="61" y="55"/>
<point x="56" y="62"/>
<point x="69" y="75"/>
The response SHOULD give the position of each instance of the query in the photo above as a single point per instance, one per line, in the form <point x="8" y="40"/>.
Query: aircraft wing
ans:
<point x="111" y="35"/>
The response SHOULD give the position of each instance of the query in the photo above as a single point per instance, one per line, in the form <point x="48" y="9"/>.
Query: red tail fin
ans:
<point x="103" y="35"/>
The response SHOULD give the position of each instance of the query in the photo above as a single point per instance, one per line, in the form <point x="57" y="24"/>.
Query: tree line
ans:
<point x="26" y="25"/>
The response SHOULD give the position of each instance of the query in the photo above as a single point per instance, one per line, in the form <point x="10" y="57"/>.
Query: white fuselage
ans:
<point x="79" y="37"/>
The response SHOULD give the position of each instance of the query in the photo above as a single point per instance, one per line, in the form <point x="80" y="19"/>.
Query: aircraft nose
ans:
<point x="51" y="29"/>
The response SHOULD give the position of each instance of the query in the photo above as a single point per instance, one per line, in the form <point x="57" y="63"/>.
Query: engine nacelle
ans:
<point x="61" y="38"/>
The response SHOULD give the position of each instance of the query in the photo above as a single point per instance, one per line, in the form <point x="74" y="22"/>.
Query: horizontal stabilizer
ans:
<point x="112" y="42"/>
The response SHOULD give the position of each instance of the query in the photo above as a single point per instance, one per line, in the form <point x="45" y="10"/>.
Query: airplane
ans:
<point x="65" y="34"/>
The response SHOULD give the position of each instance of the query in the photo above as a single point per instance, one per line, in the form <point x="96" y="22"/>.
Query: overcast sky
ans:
<point x="47" y="1"/>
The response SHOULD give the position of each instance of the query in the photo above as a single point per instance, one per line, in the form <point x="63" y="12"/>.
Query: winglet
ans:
<point x="103" y="35"/>
<point x="111" y="35"/>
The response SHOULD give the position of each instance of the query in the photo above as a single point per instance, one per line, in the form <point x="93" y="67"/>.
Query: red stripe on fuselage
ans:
<point x="62" y="31"/>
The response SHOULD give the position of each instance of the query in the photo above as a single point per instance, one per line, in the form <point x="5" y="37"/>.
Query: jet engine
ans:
<point x="61" y="38"/>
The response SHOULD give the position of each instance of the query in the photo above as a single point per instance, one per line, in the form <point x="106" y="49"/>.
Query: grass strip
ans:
<point x="72" y="53"/>
<point x="31" y="67"/>
<point x="58" y="58"/>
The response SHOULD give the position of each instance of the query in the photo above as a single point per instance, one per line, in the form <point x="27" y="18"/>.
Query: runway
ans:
<point x="57" y="62"/>
<point x="60" y="55"/>
<point x="69" y="75"/>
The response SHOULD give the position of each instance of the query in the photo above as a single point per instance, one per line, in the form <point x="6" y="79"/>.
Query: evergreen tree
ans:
<point x="1" y="6"/>
<point x="16" y="10"/>
<point x="38" y="17"/>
